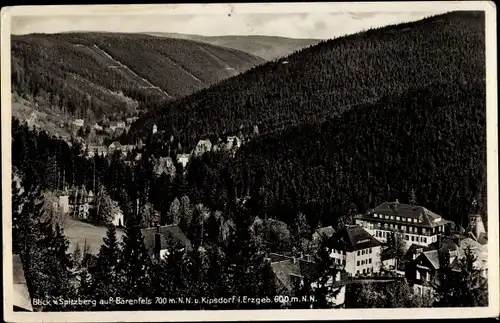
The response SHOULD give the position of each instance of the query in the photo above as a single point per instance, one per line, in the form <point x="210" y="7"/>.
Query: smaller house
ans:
<point x="115" y="145"/>
<point x="233" y="142"/>
<point x="64" y="203"/>
<point x="183" y="159"/>
<point x="291" y="272"/>
<point x="323" y="233"/>
<point x="423" y="264"/>
<point x="117" y="218"/>
<point x="131" y="120"/>
<point x="97" y="127"/>
<point x="32" y="119"/>
<point x="202" y="147"/>
<point x="357" y="250"/>
<point x="21" y="297"/>
<point x="159" y="240"/>
<point x="98" y="150"/>
<point x="78" y="123"/>
<point x="164" y="165"/>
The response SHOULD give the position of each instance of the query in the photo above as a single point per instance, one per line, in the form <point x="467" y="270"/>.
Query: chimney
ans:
<point x="157" y="246"/>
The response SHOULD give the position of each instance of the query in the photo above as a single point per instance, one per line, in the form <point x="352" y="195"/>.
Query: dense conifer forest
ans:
<point x="430" y="141"/>
<point x="322" y="81"/>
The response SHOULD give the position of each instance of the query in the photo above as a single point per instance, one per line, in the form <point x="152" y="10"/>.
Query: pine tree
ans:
<point x="174" y="212"/>
<point x="76" y="256"/>
<point x="464" y="286"/>
<point x="57" y="264"/>
<point x="106" y="274"/>
<point x="135" y="263"/>
<point x="323" y="280"/>
<point x="301" y="233"/>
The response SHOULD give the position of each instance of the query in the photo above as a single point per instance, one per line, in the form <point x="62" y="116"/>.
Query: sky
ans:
<point x="315" y="25"/>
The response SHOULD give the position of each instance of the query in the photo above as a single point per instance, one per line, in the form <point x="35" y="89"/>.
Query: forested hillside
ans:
<point x="93" y="74"/>
<point x="325" y="80"/>
<point x="431" y="142"/>
<point x="267" y="47"/>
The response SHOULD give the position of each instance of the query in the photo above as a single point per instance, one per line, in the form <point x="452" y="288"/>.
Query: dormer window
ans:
<point x="375" y="215"/>
<point x="392" y="217"/>
<point x="397" y="218"/>
<point x="387" y="217"/>
<point x="408" y="219"/>
<point x="414" y="220"/>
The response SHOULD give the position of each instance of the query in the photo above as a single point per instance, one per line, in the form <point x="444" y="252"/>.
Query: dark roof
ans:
<point x="285" y="267"/>
<point x="323" y="232"/>
<point x="351" y="238"/>
<point x="413" y="250"/>
<point x="426" y="218"/>
<point x="170" y="234"/>
<point x="21" y="297"/>
<point x="433" y="257"/>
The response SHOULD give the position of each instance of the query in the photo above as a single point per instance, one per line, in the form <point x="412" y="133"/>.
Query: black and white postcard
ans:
<point x="252" y="161"/>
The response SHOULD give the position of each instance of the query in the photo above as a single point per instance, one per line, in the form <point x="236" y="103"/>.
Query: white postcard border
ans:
<point x="155" y="316"/>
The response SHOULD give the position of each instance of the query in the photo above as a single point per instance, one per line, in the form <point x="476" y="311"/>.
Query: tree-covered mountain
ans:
<point x="89" y="75"/>
<point x="430" y="141"/>
<point x="324" y="80"/>
<point x="267" y="47"/>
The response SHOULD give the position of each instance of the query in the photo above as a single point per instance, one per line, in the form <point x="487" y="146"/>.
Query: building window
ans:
<point x="418" y="274"/>
<point x="412" y="238"/>
<point x="357" y="264"/>
<point x="359" y="253"/>
<point x="370" y="250"/>
<point x="370" y="260"/>
<point x="398" y="218"/>
<point x="409" y="219"/>
<point x="357" y="272"/>
<point x="343" y="262"/>
<point x="391" y="226"/>
<point x="407" y="237"/>
<point x="364" y="271"/>
<point x="403" y="227"/>
<point x="375" y="215"/>
<point x="414" y="220"/>
<point x="424" y="231"/>
<point x="392" y="217"/>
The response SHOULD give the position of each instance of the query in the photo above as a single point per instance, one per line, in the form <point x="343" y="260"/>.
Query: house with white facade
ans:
<point x="291" y="272"/>
<point x="183" y="159"/>
<point x="417" y="224"/>
<point x="356" y="250"/>
<point x="159" y="240"/>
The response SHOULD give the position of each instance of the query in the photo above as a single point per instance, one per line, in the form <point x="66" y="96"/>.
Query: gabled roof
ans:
<point x="433" y="257"/>
<point x="351" y="238"/>
<point x="170" y="234"/>
<point x="115" y="144"/>
<point x="425" y="217"/>
<point x="21" y="296"/>
<point x="285" y="268"/>
<point x="326" y="232"/>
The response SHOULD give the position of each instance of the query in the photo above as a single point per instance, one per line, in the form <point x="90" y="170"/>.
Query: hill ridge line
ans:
<point x="134" y="73"/>
<point x="184" y="69"/>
